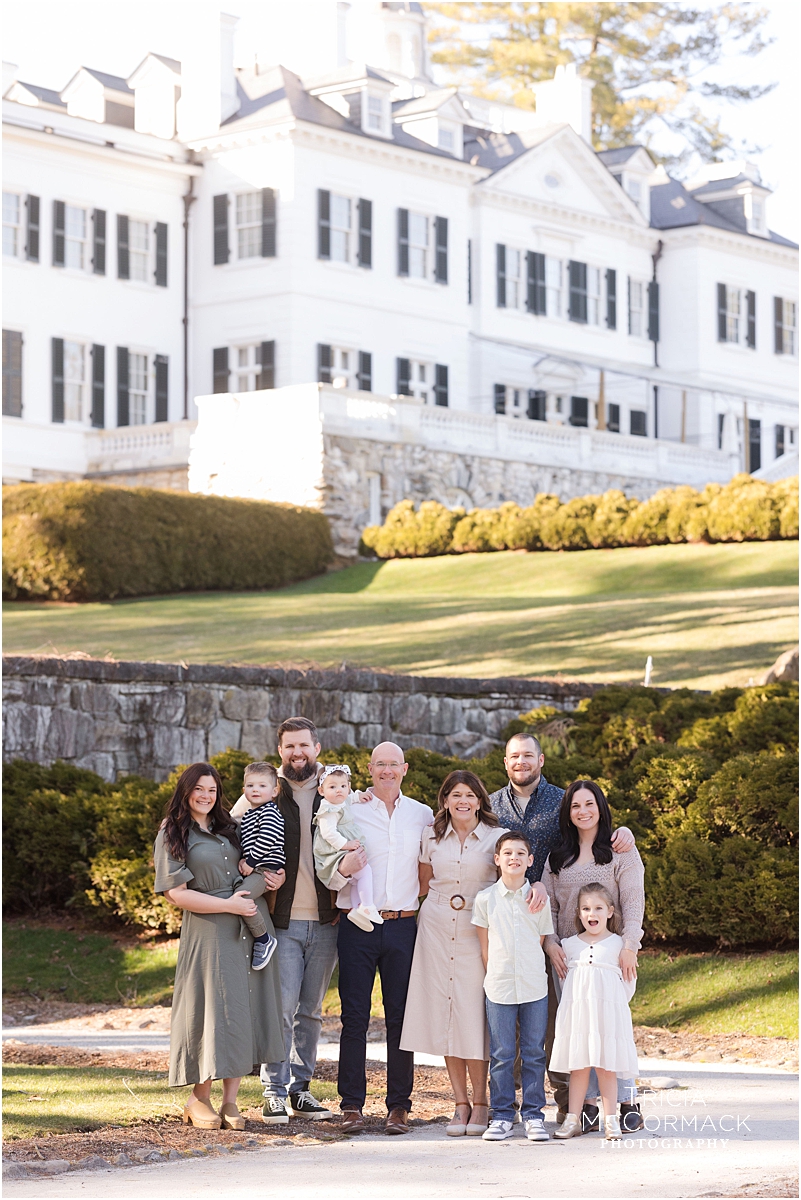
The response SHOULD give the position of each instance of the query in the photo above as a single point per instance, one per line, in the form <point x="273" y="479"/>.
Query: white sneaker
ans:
<point x="373" y="914"/>
<point x="360" y="919"/>
<point x="536" y="1131"/>
<point x="498" y="1131"/>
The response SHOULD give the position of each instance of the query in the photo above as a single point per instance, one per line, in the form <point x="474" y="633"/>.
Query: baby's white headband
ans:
<point x="335" y="769"/>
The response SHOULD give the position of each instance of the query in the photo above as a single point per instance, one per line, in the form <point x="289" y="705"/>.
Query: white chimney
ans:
<point x="566" y="100"/>
<point x="208" y="82"/>
<point x="9" y="75"/>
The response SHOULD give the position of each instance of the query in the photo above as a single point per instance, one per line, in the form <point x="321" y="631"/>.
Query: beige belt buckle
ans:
<point x="458" y="907"/>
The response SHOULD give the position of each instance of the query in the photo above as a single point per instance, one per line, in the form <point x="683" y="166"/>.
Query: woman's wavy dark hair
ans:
<point x="567" y="851"/>
<point x="467" y="779"/>
<point x="178" y="818"/>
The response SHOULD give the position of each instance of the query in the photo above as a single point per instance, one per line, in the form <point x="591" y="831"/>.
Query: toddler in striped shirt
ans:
<point x="261" y="836"/>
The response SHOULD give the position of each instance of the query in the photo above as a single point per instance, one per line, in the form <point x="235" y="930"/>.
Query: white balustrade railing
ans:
<point x="139" y="446"/>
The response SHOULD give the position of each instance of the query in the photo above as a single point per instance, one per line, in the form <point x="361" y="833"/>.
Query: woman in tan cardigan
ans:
<point x="585" y="855"/>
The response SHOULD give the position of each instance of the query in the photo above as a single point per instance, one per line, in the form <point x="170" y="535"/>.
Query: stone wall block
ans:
<point x="360" y="707"/>
<point x="245" y="704"/>
<point x="498" y="720"/>
<point x="99" y="698"/>
<point x="284" y="702"/>
<point x="447" y="715"/>
<point x="103" y="765"/>
<point x="258" y="738"/>
<point x="224" y="735"/>
<point x="321" y="707"/>
<point x="110" y="735"/>
<point x="202" y="708"/>
<point x="70" y="734"/>
<point x="25" y="731"/>
<point x="173" y="746"/>
<point x="475" y="719"/>
<point x="14" y="688"/>
<point x="410" y="714"/>
<point x="371" y="735"/>
<point x="425" y="741"/>
<point x="169" y="707"/>
<point x="335" y="735"/>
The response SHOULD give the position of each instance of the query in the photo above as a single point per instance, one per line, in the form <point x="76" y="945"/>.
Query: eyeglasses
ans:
<point x="382" y="766"/>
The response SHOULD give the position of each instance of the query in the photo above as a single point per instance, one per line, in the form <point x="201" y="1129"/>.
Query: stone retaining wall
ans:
<point x="119" y="718"/>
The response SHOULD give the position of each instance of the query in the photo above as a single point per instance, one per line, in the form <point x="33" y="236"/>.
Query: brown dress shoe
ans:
<point x="352" y="1121"/>
<point x="397" y="1121"/>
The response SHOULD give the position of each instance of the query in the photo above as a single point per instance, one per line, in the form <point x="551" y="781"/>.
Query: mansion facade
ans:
<point x="463" y="299"/>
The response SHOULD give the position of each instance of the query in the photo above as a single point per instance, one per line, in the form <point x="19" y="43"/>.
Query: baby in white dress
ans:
<point x="336" y="834"/>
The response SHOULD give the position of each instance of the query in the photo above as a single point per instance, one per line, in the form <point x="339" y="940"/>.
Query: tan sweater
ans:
<point x="624" y="879"/>
<point x="304" y="902"/>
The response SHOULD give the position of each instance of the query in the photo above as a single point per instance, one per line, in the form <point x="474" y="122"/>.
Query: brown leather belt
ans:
<point x="392" y="914"/>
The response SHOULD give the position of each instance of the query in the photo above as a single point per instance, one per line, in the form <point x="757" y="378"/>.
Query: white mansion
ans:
<point x="348" y="289"/>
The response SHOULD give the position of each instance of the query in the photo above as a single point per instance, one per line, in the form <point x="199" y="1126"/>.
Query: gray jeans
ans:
<point x="307" y="955"/>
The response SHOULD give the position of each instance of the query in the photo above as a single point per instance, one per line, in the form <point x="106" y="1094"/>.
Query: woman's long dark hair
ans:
<point x="178" y="817"/>
<point x="567" y="851"/>
<point x="467" y="779"/>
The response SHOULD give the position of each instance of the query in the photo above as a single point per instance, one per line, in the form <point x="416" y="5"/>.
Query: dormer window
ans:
<point x="446" y="140"/>
<point x="755" y="213"/>
<point x="375" y="113"/>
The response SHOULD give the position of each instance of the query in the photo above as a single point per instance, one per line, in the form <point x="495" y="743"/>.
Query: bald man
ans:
<point x="391" y="825"/>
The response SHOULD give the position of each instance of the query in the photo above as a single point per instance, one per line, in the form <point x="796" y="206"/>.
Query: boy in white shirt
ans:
<point x="516" y="988"/>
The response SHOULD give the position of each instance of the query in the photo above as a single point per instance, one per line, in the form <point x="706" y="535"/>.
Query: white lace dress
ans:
<point x="593" y="1022"/>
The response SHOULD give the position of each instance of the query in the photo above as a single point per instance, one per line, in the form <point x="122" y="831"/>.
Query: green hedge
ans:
<point x="87" y="541"/>
<point x="745" y="510"/>
<point x="707" y="782"/>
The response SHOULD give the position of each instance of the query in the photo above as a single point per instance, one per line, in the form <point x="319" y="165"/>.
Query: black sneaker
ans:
<point x="262" y="953"/>
<point x="274" y="1111"/>
<point x="303" y="1104"/>
<point x="631" y="1118"/>
<point x="590" y="1118"/>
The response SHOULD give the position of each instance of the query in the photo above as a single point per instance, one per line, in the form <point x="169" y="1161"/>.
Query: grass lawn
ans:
<point x="708" y="615"/>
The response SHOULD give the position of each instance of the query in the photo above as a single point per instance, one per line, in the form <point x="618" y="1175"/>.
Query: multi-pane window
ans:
<point x="138" y="250"/>
<point x="553" y="287"/>
<point x="446" y="140"/>
<point x="515" y="277"/>
<point x="375" y="113"/>
<point x="511" y="401"/>
<point x="343" y="367"/>
<point x="248" y="224"/>
<point x="137" y="388"/>
<point x="733" y="317"/>
<point x="247" y="366"/>
<point x="421" y="380"/>
<point x="11" y="224"/>
<point x="789" y="327"/>
<point x="593" y="296"/>
<point x="636" y="308"/>
<point x="418" y="245"/>
<point x="341" y="215"/>
<point x="75" y="248"/>
<point x="74" y="381"/>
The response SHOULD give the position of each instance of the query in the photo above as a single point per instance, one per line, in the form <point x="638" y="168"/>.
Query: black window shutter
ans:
<point x="161" y="255"/>
<point x="58" y="233"/>
<point x="535" y="291"/>
<point x="221" y="251"/>
<point x="323" y="224"/>
<point x="611" y="299"/>
<point x="613" y="418"/>
<point x="500" y="275"/>
<point x="638" y="423"/>
<point x="750" y="304"/>
<point x="12" y="373"/>
<point x="266" y="379"/>
<point x="32" y="242"/>
<point x="469" y="271"/>
<point x="403" y="245"/>
<point x="123" y="261"/>
<point x="779" y="432"/>
<point x="404" y="376"/>
<point x="57" y="375"/>
<point x="220" y="369"/>
<point x="99" y="241"/>
<point x="579" y="411"/>
<point x="653" y="311"/>
<point x="778" y="325"/>
<point x="754" y="445"/>
<point x="268" y="223"/>
<point x="365" y="375"/>
<point x="366" y="238"/>
<point x="123" y="386"/>
<point x="441" y="242"/>
<point x="441" y="385"/>
<point x="500" y="399"/>
<point x="323" y="363"/>
<point x="721" y="312"/>
<point x="577" y="311"/>
<point x="162" y="364"/>
<point x="536" y="406"/>
<point x="98" y="386"/>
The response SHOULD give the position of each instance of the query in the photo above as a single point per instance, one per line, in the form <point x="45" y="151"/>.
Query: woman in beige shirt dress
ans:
<point x="445" y="1012"/>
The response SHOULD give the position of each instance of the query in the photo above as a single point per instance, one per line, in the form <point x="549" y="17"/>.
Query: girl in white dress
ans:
<point x="593" y="1022"/>
<point x="336" y="834"/>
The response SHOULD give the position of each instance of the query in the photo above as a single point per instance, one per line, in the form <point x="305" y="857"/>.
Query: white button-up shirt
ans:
<point x="515" y="963"/>
<point x="393" y="850"/>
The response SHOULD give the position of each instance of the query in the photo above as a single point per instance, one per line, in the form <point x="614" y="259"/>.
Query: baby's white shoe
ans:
<point x="373" y="914"/>
<point x="360" y="919"/>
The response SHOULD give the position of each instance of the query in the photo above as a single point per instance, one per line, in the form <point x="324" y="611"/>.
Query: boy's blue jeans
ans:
<point x="503" y="1020"/>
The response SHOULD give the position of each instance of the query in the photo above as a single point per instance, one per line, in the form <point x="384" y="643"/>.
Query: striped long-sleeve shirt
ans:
<point x="262" y="837"/>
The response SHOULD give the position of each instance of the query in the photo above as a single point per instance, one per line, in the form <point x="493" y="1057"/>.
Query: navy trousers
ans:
<point x="389" y="948"/>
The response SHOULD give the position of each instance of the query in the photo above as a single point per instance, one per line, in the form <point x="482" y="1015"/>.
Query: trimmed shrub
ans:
<point x="86" y="541"/>
<point x="746" y="509"/>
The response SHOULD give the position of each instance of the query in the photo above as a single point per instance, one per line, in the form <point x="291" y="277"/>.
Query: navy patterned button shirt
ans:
<point x="539" y="821"/>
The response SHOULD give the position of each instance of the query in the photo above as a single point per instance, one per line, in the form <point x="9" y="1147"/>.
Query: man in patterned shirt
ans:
<point x="530" y="805"/>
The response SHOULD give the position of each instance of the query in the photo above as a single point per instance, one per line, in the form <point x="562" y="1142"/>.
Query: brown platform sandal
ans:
<point x="200" y="1114"/>
<point x="231" y="1117"/>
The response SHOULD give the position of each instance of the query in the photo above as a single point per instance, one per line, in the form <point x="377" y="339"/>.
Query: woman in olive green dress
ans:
<point x="226" y="1018"/>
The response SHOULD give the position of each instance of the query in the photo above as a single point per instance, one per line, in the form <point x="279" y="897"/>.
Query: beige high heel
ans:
<point x="231" y="1117"/>
<point x="200" y="1114"/>
<point x="458" y="1128"/>
<point x="476" y="1128"/>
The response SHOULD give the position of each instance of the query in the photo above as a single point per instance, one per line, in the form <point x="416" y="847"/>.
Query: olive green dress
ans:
<point x="226" y="1018"/>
